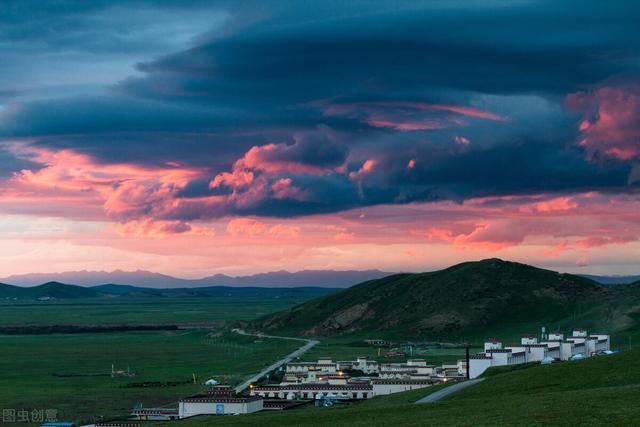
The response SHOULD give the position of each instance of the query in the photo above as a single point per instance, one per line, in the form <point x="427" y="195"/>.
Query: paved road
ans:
<point x="447" y="391"/>
<point x="308" y="344"/>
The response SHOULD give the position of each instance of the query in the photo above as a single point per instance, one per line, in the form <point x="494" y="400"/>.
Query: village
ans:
<point x="326" y="382"/>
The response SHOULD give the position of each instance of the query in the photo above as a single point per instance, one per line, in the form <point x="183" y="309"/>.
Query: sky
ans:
<point x="198" y="137"/>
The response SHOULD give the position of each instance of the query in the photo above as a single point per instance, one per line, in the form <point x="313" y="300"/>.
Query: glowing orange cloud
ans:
<point x="367" y="167"/>
<point x="556" y="204"/>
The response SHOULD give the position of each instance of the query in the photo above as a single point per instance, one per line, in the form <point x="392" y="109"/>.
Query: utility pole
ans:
<point x="467" y="354"/>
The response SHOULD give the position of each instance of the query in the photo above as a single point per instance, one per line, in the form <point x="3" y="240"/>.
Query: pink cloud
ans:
<point x="257" y="175"/>
<point x="248" y="227"/>
<point x="401" y="125"/>
<point x="283" y="188"/>
<point x="583" y="261"/>
<point x="436" y="234"/>
<point x="272" y="158"/>
<point x="490" y="237"/>
<point x="340" y="234"/>
<point x="160" y="229"/>
<point x="581" y="221"/>
<point x="148" y="202"/>
<point x="409" y="115"/>
<point x="461" y="140"/>
<point x="367" y="167"/>
<point x="556" y="204"/>
<point x="236" y="179"/>
<point x="557" y="249"/>
<point x="611" y="121"/>
<point x="598" y="241"/>
<point x="393" y="237"/>
<point x="124" y="192"/>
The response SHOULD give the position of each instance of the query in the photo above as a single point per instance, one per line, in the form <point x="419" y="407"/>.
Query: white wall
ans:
<point x="535" y="354"/>
<point x="255" y="406"/>
<point x="190" y="409"/>
<point x="603" y="345"/>
<point x="383" y="389"/>
<point x="566" y="350"/>
<point x="478" y="366"/>
<point x="500" y="359"/>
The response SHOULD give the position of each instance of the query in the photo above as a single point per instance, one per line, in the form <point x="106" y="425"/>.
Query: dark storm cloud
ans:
<point x="10" y="164"/>
<point x="424" y="100"/>
<point x="544" y="47"/>
<point x="99" y="26"/>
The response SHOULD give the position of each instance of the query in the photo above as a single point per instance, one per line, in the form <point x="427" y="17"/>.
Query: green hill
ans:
<point x="469" y="299"/>
<point x="596" y="391"/>
<point x="48" y="290"/>
<point x="57" y="290"/>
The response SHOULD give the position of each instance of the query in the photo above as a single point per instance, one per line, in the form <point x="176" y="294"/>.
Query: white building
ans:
<point x="530" y="350"/>
<point x="375" y="387"/>
<point x="556" y="336"/>
<point x="360" y="364"/>
<point x="314" y="391"/>
<point x="413" y="369"/>
<point x="324" y="364"/>
<point x="221" y="400"/>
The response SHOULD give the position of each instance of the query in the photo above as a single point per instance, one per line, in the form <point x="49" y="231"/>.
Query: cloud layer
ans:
<point x="168" y="117"/>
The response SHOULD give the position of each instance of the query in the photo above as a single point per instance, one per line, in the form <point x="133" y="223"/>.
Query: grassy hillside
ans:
<point x="468" y="299"/>
<point x="596" y="391"/>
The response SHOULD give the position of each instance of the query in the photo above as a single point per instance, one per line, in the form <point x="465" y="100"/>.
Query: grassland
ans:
<point x="598" y="391"/>
<point x="30" y="365"/>
<point x="142" y="310"/>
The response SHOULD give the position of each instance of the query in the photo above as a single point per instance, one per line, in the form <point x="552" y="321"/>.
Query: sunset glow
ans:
<point x="319" y="137"/>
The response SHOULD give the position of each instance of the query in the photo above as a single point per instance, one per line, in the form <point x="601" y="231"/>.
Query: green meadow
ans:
<point x="143" y="310"/>
<point x="44" y="371"/>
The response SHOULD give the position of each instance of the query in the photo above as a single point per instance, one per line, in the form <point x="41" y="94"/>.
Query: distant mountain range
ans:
<point x="612" y="280"/>
<point x="148" y="279"/>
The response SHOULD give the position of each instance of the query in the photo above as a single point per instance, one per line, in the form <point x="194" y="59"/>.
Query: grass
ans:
<point x="29" y="362"/>
<point x="597" y="391"/>
<point x="142" y="310"/>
